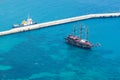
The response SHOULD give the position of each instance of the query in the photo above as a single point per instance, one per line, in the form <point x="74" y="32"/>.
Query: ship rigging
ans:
<point x="80" y="41"/>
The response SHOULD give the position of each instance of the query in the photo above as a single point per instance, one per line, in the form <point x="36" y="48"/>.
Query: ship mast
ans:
<point x="86" y="31"/>
<point x="74" y="31"/>
<point x="81" y="31"/>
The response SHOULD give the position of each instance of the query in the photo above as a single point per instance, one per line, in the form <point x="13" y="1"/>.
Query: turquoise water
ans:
<point x="43" y="54"/>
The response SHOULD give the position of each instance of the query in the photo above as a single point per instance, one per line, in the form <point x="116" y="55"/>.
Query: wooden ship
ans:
<point x="79" y="41"/>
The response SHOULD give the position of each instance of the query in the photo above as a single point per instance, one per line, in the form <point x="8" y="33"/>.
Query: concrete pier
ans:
<point x="57" y="22"/>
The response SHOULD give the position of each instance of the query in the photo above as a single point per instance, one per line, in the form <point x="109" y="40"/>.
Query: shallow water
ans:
<point x="43" y="54"/>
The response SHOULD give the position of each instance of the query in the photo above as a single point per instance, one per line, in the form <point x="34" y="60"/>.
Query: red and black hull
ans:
<point x="78" y="44"/>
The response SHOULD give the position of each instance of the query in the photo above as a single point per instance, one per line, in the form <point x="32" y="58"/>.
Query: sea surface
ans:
<point x="43" y="54"/>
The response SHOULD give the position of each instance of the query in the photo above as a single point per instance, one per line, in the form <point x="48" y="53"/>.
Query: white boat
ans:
<point x="24" y="23"/>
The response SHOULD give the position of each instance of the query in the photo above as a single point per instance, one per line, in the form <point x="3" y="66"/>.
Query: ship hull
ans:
<point x="23" y="25"/>
<point x="78" y="44"/>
